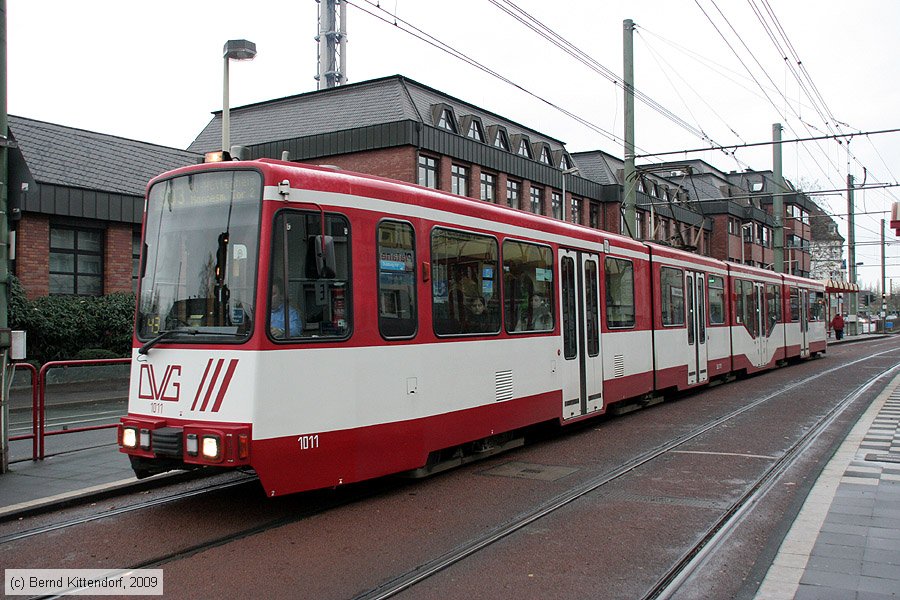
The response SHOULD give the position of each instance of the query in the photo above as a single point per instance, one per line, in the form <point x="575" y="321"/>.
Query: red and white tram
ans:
<point x="325" y="327"/>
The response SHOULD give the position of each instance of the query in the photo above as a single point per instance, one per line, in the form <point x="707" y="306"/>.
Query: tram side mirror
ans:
<point x="323" y="250"/>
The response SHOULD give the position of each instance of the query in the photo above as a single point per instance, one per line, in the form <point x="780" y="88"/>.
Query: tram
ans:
<point x="323" y="327"/>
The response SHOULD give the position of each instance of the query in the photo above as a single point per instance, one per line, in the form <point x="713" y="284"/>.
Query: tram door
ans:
<point x="762" y="340"/>
<point x="695" y="301"/>
<point x="804" y="323"/>
<point x="582" y="366"/>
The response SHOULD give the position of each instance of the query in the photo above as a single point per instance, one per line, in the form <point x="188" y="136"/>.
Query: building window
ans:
<point x="556" y="205"/>
<point x="564" y="163"/>
<point x="524" y="150"/>
<point x="446" y="121"/>
<point x="135" y="260"/>
<point x="545" y="156"/>
<point x="576" y="210"/>
<point x="76" y="261"/>
<point x="537" y="205"/>
<point x="488" y="186"/>
<point x="459" y="180"/>
<point x="501" y="141"/>
<point x="595" y="215"/>
<point x="428" y="171"/>
<point x="475" y="131"/>
<point x="512" y="193"/>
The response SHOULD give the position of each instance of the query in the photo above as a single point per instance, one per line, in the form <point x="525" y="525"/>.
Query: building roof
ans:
<point x="598" y="166"/>
<point x="353" y="106"/>
<point x="72" y="157"/>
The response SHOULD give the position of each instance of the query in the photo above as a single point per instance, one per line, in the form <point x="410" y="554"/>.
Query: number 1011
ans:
<point x="308" y="442"/>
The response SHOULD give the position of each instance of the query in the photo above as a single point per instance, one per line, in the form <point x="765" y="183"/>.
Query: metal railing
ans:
<point x="39" y="405"/>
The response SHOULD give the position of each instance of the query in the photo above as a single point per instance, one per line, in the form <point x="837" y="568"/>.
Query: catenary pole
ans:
<point x="778" y="200"/>
<point x="4" y="245"/>
<point x="629" y="200"/>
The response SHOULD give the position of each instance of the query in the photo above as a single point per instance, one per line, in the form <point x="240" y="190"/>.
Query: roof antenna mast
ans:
<point x="332" y="39"/>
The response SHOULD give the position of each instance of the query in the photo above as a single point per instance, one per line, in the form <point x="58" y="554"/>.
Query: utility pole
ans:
<point x="883" y="276"/>
<point x="629" y="200"/>
<point x="853" y="305"/>
<point x="4" y="250"/>
<point x="778" y="200"/>
<point x="332" y="40"/>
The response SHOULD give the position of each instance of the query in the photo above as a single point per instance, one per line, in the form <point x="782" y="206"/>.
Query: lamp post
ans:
<point x="234" y="50"/>
<point x="745" y="226"/>
<point x="564" y="173"/>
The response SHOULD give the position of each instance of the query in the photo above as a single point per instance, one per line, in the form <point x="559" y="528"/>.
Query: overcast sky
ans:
<point x="152" y="71"/>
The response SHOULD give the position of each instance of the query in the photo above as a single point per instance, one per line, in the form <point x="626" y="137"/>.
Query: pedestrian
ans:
<point x="837" y="323"/>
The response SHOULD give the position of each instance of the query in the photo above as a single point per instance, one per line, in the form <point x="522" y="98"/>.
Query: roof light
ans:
<point x="217" y="156"/>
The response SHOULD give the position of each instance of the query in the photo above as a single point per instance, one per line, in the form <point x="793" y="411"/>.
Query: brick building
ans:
<point x="76" y="200"/>
<point x="77" y="225"/>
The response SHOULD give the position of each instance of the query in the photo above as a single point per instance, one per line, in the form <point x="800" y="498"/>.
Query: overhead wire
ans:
<point x="446" y="48"/>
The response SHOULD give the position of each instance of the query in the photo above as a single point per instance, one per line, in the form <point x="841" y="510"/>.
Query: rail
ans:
<point x="39" y="404"/>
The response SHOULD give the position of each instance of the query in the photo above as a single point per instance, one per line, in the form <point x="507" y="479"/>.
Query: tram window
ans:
<point x="465" y="297"/>
<point x="816" y="306"/>
<point x="592" y="311"/>
<point x="313" y="306"/>
<point x="716" y="288"/>
<point x="773" y="306"/>
<point x="619" y="293"/>
<point x="528" y="287"/>
<point x="747" y="306"/>
<point x="795" y="305"/>
<point x="569" y="308"/>
<point x="672" y="287"/>
<point x="397" y="315"/>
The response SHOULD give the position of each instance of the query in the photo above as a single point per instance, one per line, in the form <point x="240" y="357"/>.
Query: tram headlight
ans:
<point x="129" y="437"/>
<point x="211" y="447"/>
<point x="145" y="439"/>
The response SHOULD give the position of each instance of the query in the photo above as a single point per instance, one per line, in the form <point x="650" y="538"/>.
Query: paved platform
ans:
<point x="31" y="485"/>
<point x="845" y="543"/>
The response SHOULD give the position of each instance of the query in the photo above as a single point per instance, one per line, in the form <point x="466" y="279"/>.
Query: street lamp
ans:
<point x="564" y="173"/>
<point x="743" y="238"/>
<point x="234" y="50"/>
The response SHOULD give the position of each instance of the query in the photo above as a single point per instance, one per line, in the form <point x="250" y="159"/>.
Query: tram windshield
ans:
<point x="199" y="257"/>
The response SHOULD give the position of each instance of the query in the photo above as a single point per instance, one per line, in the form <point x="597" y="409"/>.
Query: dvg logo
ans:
<point x="168" y="389"/>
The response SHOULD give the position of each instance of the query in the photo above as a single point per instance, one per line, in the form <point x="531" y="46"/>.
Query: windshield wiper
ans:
<point x="171" y="332"/>
<point x="163" y="335"/>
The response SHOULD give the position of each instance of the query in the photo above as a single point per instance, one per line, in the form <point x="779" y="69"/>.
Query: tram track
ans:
<point x="689" y="562"/>
<point x="313" y="505"/>
<point x="36" y="531"/>
<point x="692" y="560"/>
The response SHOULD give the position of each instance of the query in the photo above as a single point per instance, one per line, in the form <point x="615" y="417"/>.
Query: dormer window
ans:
<point x="524" y="150"/>
<point x="447" y="121"/>
<point x="565" y="164"/>
<point x="475" y="132"/>
<point x="497" y="136"/>
<point x="545" y="156"/>
<point x="640" y="186"/>
<point x="653" y="192"/>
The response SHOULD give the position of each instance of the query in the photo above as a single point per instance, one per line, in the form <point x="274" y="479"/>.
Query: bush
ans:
<point x="62" y="327"/>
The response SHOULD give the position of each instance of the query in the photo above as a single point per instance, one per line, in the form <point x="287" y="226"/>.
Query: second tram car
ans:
<point x="324" y="327"/>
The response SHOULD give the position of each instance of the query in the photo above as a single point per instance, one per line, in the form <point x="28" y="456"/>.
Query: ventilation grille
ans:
<point x="618" y="365"/>
<point x="503" y="384"/>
